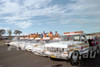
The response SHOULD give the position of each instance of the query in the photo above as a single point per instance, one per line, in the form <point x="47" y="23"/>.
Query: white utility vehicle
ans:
<point x="14" y="42"/>
<point x="34" y="44"/>
<point x="70" y="47"/>
<point x="22" y="43"/>
<point x="30" y="44"/>
<point x="38" y="49"/>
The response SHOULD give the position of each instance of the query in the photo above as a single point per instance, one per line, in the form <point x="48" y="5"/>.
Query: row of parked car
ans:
<point x="36" y="46"/>
<point x="69" y="47"/>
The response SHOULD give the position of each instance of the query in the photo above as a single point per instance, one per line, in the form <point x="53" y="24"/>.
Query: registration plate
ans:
<point x="52" y="56"/>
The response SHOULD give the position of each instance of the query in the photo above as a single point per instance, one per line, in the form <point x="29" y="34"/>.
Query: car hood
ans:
<point x="62" y="44"/>
<point x="33" y="44"/>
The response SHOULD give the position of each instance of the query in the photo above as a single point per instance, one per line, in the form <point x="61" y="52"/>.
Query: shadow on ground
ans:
<point x="94" y="62"/>
<point x="58" y="65"/>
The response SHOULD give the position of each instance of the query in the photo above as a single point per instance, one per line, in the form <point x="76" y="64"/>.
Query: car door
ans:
<point x="85" y="45"/>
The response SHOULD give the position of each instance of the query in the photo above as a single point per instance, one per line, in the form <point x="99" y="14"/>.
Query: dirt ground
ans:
<point x="2" y="42"/>
<point x="19" y="58"/>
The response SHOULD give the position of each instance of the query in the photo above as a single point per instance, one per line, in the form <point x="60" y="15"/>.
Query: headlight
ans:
<point x="65" y="53"/>
<point x="36" y="46"/>
<point x="45" y="50"/>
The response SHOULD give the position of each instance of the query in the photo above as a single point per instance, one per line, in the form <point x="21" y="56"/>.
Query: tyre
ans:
<point x="74" y="58"/>
<point x="8" y="44"/>
<point x="19" y="47"/>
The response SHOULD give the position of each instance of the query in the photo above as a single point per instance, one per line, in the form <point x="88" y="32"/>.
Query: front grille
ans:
<point x="53" y="49"/>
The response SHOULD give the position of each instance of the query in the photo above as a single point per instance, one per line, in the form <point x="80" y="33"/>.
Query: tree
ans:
<point x="19" y="32"/>
<point x="2" y="31"/>
<point x="16" y="32"/>
<point x="9" y="32"/>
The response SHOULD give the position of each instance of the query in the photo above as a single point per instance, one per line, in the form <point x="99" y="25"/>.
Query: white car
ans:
<point x="37" y="41"/>
<point x="14" y="42"/>
<point x="38" y="50"/>
<point x="71" y="43"/>
<point x="58" y="49"/>
<point x="22" y="43"/>
<point x="30" y="45"/>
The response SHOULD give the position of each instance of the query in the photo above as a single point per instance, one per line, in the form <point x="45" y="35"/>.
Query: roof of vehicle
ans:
<point x="73" y="33"/>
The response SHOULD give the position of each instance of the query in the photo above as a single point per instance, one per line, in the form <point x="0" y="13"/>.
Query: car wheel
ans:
<point x="19" y="47"/>
<point x="74" y="60"/>
<point x="8" y="44"/>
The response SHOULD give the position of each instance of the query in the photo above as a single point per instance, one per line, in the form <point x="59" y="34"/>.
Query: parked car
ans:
<point x="71" y="46"/>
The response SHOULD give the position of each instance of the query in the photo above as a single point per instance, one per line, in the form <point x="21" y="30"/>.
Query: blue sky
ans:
<point x="31" y="16"/>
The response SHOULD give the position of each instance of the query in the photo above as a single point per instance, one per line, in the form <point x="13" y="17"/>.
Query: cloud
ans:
<point x="24" y="24"/>
<point x="5" y="28"/>
<point x="82" y="11"/>
<point x="20" y="24"/>
<point x="21" y="10"/>
<point x="36" y="3"/>
<point x="84" y="7"/>
<point x="9" y="7"/>
<point x="31" y="8"/>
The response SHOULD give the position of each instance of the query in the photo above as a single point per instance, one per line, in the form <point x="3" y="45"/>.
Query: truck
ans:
<point x="39" y="48"/>
<point x="72" y="47"/>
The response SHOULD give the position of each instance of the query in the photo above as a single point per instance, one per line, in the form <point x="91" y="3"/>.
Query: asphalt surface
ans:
<point x="22" y="58"/>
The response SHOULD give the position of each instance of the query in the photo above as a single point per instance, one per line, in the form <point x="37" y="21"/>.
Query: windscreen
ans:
<point x="71" y="37"/>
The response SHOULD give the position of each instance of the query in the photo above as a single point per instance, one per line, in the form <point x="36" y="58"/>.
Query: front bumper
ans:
<point x="28" y="48"/>
<point x="58" y="56"/>
<point x="38" y="52"/>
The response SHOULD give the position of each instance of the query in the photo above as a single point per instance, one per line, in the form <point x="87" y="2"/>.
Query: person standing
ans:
<point x="41" y="36"/>
<point x="34" y="35"/>
<point x="56" y="34"/>
<point x="44" y="35"/>
<point x="37" y="35"/>
<point x="50" y="35"/>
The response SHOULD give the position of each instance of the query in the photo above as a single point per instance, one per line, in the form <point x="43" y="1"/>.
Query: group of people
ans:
<point x="42" y="35"/>
<point x="50" y="34"/>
